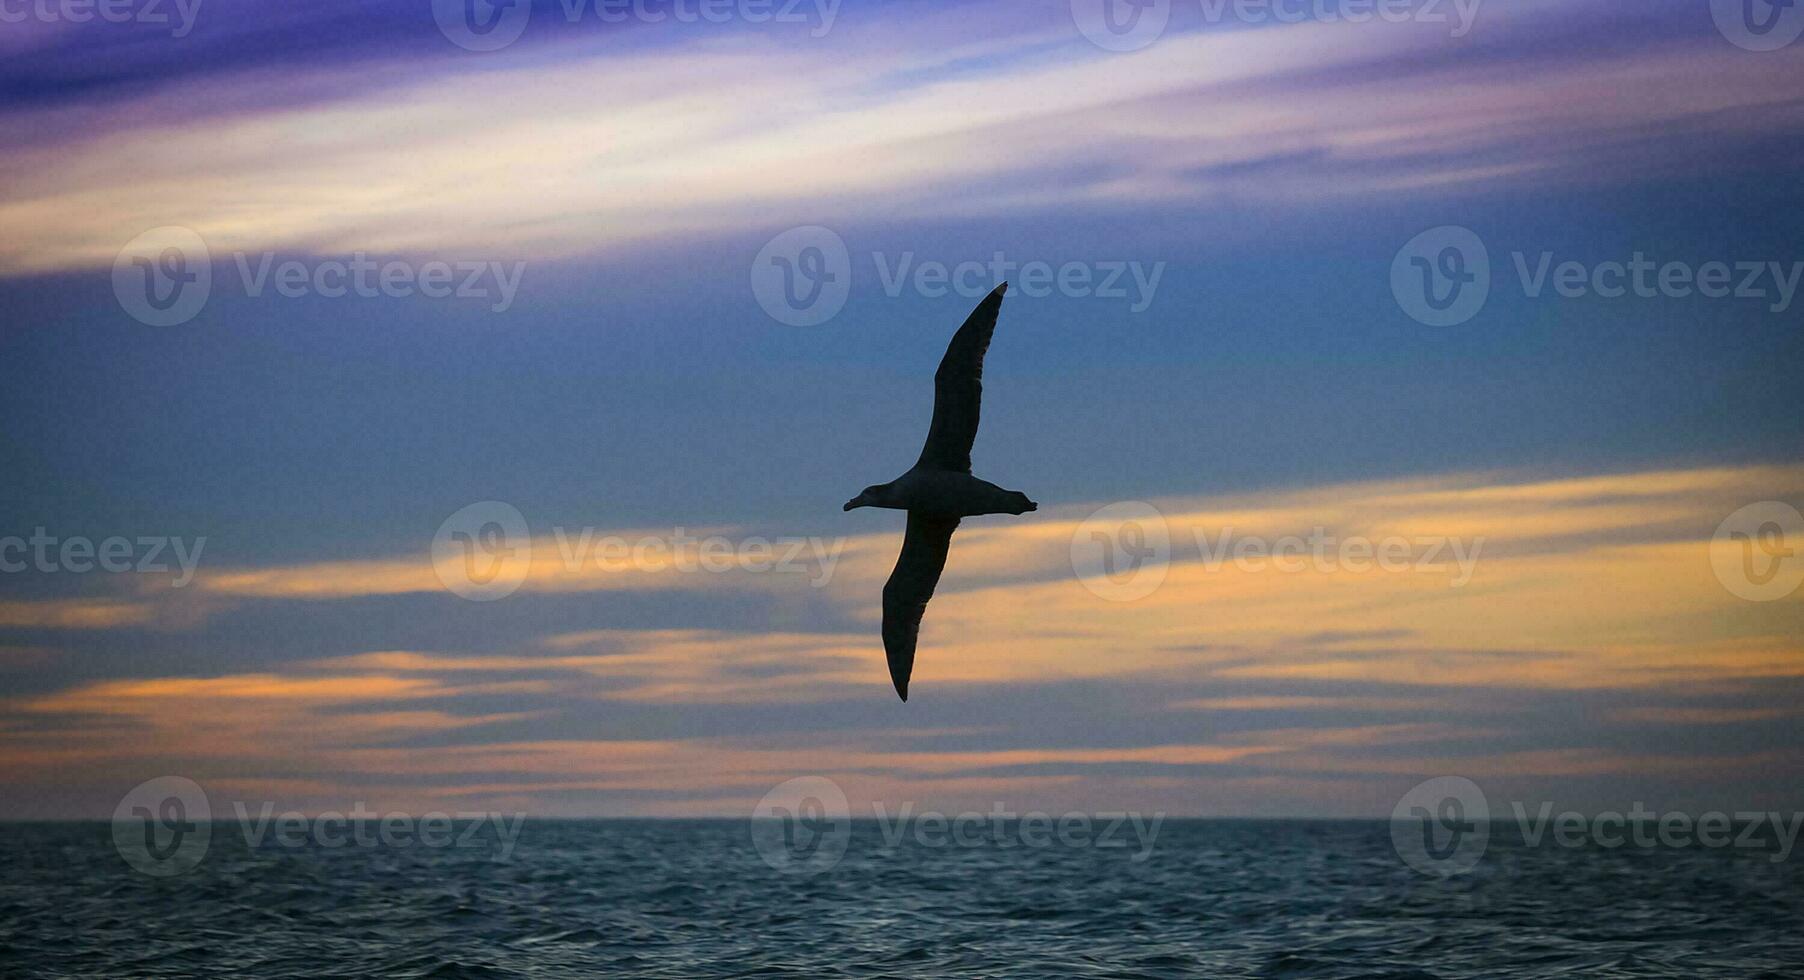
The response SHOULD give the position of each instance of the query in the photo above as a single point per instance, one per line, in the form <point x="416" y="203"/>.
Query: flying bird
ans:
<point x="939" y="490"/>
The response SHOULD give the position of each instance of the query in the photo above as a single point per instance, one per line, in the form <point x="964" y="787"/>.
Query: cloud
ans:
<point x="64" y="614"/>
<point x="586" y="145"/>
<point x="1674" y="715"/>
<point x="1587" y="588"/>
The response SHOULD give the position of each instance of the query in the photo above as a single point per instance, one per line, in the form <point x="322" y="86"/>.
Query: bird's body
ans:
<point x="939" y="490"/>
<point x="948" y="493"/>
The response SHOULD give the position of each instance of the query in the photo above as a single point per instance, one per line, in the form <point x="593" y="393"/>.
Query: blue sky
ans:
<point x="1271" y="171"/>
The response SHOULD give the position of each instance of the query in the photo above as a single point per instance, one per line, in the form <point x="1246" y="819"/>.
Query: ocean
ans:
<point x="706" y="898"/>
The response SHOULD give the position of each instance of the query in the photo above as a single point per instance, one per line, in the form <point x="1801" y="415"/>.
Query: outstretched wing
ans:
<point x="909" y="587"/>
<point x="958" y="389"/>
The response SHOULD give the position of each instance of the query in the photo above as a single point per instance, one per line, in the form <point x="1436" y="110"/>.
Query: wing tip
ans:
<point x="983" y="316"/>
<point x="901" y="688"/>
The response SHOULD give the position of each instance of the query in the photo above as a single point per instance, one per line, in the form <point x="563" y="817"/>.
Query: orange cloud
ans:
<point x="1598" y="583"/>
<point x="80" y="614"/>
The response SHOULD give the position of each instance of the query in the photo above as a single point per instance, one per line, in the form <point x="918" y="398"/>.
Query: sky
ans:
<point x="366" y="333"/>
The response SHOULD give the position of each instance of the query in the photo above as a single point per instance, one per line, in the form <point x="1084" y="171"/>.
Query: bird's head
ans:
<point x="872" y="496"/>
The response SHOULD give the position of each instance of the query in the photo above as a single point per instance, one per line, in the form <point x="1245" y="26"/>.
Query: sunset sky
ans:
<point x="1581" y="451"/>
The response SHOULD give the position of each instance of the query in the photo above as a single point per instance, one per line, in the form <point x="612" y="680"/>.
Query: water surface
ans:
<point x="1269" y="899"/>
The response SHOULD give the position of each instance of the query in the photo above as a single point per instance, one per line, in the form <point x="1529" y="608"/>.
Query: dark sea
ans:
<point x="1272" y="899"/>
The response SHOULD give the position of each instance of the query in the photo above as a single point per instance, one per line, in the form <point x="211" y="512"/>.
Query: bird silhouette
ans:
<point x="939" y="490"/>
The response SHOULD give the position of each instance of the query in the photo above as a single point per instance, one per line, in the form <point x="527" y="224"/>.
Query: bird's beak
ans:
<point x="857" y="501"/>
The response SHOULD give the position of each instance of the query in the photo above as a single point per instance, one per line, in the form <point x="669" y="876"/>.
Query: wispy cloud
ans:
<point x="1587" y="587"/>
<point x="587" y="144"/>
